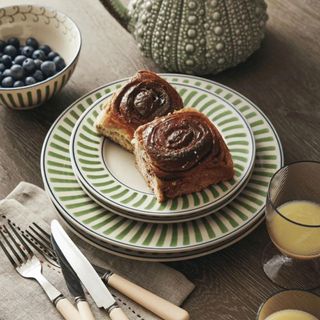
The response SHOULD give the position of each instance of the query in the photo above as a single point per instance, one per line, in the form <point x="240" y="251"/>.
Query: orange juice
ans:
<point x="291" y="314"/>
<point x="291" y="238"/>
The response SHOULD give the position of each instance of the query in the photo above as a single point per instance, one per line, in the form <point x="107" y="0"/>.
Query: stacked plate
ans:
<point x="103" y="198"/>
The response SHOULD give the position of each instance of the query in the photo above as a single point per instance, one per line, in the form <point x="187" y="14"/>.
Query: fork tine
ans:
<point x="44" y="232"/>
<point x="9" y="243"/>
<point x="13" y="228"/>
<point x="43" y="245"/>
<point x="46" y="240"/>
<point x="32" y="244"/>
<point x="7" y="252"/>
<point x="46" y="237"/>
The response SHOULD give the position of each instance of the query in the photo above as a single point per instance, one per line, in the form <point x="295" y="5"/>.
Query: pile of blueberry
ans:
<point x="22" y="65"/>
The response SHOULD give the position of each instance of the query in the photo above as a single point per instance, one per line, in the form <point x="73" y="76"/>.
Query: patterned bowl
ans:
<point x="50" y="27"/>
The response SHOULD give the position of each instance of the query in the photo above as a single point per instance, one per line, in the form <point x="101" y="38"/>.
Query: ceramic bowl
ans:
<point x="49" y="27"/>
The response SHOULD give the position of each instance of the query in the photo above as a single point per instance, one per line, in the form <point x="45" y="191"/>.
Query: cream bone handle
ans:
<point x="159" y="306"/>
<point x="117" y="314"/>
<point x="67" y="309"/>
<point x="84" y="310"/>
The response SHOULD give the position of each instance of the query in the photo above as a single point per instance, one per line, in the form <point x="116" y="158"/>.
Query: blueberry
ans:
<point x="6" y="60"/>
<point x="14" y="42"/>
<point x="38" y="63"/>
<point x="27" y="51"/>
<point x="52" y="55"/>
<point x="48" y="68"/>
<point x="19" y="59"/>
<point x="29" y="65"/>
<point x="38" y="75"/>
<point x="39" y="54"/>
<point x="6" y="73"/>
<point x="45" y="48"/>
<point x="2" y="45"/>
<point x="18" y="84"/>
<point x="30" y="80"/>
<point x="10" y="50"/>
<point x="59" y="62"/>
<point x="32" y="42"/>
<point x="2" y="67"/>
<point x="7" y="82"/>
<point x="17" y="72"/>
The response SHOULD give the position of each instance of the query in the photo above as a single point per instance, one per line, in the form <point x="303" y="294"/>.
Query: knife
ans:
<point x="162" y="308"/>
<point x="74" y="285"/>
<point x="159" y="306"/>
<point x="86" y="273"/>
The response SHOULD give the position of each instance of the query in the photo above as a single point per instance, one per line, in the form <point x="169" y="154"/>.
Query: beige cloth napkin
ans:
<point x="24" y="299"/>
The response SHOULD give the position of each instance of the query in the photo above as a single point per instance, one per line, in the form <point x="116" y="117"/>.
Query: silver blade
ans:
<point x="82" y="267"/>
<point x="70" y="277"/>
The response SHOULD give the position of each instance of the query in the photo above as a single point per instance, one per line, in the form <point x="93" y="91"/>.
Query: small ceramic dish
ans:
<point x="290" y="300"/>
<point x="49" y="27"/>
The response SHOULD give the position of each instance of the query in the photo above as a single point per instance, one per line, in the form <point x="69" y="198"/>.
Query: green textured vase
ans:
<point x="194" y="36"/>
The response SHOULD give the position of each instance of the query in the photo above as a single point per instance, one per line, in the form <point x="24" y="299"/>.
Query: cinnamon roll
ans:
<point x="181" y="153"/>
<point x="144" y="98"/>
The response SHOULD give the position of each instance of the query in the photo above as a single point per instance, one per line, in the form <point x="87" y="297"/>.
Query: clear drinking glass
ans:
<point x="292" y="260"/>
<point x="290" y="300"/>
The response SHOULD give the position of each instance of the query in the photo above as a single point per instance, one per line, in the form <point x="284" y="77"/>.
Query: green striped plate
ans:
<point x="161" y="257"/>
<point x="109" y="173"/>
<point x="142" y="217"/>
<point x="82" y="212"/>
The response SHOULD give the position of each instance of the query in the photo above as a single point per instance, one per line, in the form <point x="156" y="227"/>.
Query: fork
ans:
<point x="40" y="239"/>
<point x="29" y="266"/>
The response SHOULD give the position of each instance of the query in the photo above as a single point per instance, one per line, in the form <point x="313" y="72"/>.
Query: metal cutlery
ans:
<point x="86" y="273"/>
<point x="159" y="306"/>
<point x="28" y="266"/>
<point x="40" y="241"/>
<point x="74" y="286"/>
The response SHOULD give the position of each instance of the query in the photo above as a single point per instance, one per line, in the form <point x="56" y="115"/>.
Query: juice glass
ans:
<point x="292" y="260"/>
<point x="289" y="304"/>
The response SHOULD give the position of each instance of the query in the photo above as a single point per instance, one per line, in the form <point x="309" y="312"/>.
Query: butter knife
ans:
<point x="74" y="285"/>
<point x="86" y="273"/>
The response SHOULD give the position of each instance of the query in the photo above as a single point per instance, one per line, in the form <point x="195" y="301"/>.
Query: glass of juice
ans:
<point x="292" y="260"/>
<point x="290" y="305"/>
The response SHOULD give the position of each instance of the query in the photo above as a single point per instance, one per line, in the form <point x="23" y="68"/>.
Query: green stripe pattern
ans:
<point x="99" y="179"/>
<point x="75" y="205"/>
<point x="28" y="98"/>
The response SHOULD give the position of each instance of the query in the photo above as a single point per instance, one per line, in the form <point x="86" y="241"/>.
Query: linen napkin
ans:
<point x="24" y="299"/>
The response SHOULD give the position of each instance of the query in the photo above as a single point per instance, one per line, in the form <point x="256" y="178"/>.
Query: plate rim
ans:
<point x="185" y="257"/>
<point x="142" y="219"/>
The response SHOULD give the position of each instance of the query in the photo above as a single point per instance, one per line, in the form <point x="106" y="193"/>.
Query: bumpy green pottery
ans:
<point x="194" y="36"/>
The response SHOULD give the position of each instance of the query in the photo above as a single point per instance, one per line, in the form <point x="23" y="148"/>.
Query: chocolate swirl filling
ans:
<point x="180" y="142"/>
<point x="144" y="102"/>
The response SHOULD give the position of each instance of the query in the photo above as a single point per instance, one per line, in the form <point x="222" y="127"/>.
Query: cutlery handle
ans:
<point x="63" y="305"/>
<point x="84" y="310"/>
<point x="117" y="314"/>
<point x="159" y="306"/>
<point x="67" y="309"/>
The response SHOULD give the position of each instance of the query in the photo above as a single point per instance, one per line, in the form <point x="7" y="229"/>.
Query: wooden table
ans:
<point x="282" y="78"/>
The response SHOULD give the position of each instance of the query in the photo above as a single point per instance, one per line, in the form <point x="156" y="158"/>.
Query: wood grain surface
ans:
<point x="282" y="78"/>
